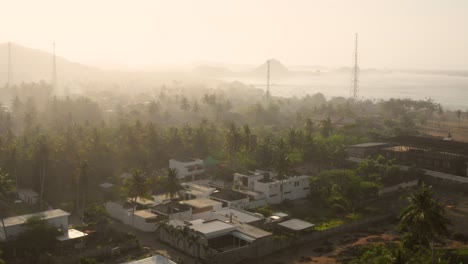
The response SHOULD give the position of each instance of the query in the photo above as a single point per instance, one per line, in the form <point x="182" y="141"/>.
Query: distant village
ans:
<point x="217" y="221"/>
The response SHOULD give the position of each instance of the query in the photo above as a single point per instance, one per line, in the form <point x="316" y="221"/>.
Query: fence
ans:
<point x="271" y="246"/>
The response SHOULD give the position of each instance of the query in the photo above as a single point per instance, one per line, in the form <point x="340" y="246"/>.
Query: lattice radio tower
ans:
<point x="54" y="69"/>
<point x="355" y="86"/>
<point x="268" y="79"/>
<point x="10" y="67"/>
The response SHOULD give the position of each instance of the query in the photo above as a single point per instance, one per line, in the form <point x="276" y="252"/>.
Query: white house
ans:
<point x="202" y="207"/>
<point x="194" y="190"/>
<point x="187" y="167"/>
<point x="143" y="220"/>
<point x="15" y="225"/>
<point x="28" y="196"/>
<point x="295" y="187"/>
<point x="231" y="198"/>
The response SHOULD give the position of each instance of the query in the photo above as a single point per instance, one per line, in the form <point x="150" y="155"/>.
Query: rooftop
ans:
<point x="72" y="234"/>
<point x="201" y="202"/>
<point x="228" y="195"/>
<point x="296" y="224"/>
<point x="21" y="219"/>
<point x="146" y="214"/>
<point x="237" y="215"/>
<point x="369" y="144"/>
<point x="212" y="228"/>
<point x="433" y="143"/>
<point x="28" y="192"/>
<point x="165" y="208"/>
<point x="185" y="160"/>
<point x="253" y="231"/>
<point x="157" y="259"/>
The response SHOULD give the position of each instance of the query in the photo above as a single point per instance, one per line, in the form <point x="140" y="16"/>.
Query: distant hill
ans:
<point x="213" y="71"/>
<point x="277" y="69"/>
<point x="35" y="65"/>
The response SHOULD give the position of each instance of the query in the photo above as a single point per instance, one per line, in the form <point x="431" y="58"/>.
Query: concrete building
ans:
<point x="174" y="210"/>
<point x="143" y="220"/>
<point x="188" y="167"/>
<point x="296" y="226"/>
<point x="232" y="215"/>
<point x="193" y="190"/>
<point x="295" y="187"/>
<point x="231" y="198"/>
<point x="220" y="239"/>
<point x="28" y="196"/>
<point x="202" y="207"/>
<point x="15" y="225"/>
<point x="365" y="150"/>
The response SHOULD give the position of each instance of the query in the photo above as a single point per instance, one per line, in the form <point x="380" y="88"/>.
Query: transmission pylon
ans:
<point x="268" y="79"/>
<point x="54" y="69"/>
<point x="355" y="86"/>
<point x="10" y="67"/>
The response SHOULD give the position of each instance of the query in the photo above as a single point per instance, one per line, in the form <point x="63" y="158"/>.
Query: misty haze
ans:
<point x="202" y="132"/>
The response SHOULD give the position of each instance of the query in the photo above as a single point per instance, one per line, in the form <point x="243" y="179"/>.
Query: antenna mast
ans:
<point x="10" y="67"/>
<point x="54" y="69"/>
<point x="355" y="88"/>
<point x="268" y="79"/>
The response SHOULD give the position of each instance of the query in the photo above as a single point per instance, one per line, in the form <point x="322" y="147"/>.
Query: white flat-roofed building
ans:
<point x="28" y="196"/>
<point x="211" y="229"/>
<point x="231" y="198"/>
<point x="143" y="220"/>
<point x="295" y="187"/>
<point x="187" y="167"/>
<point x="202" y="207"/>
<point x="296" y="225"/>
<point x="15" y="225"/>
<point x="232" y="215"/>
<point x="194" y="190"/>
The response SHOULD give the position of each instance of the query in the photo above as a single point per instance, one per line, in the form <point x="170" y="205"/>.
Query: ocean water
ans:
<point x="450" y="91"/>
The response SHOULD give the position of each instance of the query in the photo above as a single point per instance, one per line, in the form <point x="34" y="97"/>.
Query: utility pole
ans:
<point x="268" y="79"/>
<point x="355" y="87"/>
<point x="10" y="67"/>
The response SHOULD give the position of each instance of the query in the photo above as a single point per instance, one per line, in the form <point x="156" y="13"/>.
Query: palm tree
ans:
<point x="42" y="155"/>
<point x="424" y="218"/>
<point x="5" y="187"/>
<point x="282" y="164"/>
<point x="136" y="186"/>
<point x="172" y="186"/>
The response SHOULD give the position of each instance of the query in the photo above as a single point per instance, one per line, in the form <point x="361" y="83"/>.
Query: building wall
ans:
<point x="239" y="204"/>
<point x="59" y="222"/>
<point x="296" y="187"/>
<point x="126" y="216"/>
<point x="28" y="196"/>
<point x="183" y="167"/>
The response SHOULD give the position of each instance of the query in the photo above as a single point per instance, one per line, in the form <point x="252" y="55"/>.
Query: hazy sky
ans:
<point x="426" y="34"/>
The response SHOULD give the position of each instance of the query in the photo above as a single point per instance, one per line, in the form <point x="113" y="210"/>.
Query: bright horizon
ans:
<point x="396" y="34"/>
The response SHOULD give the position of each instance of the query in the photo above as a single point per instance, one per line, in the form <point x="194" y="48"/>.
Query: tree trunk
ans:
<point x="4" y="230"/>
